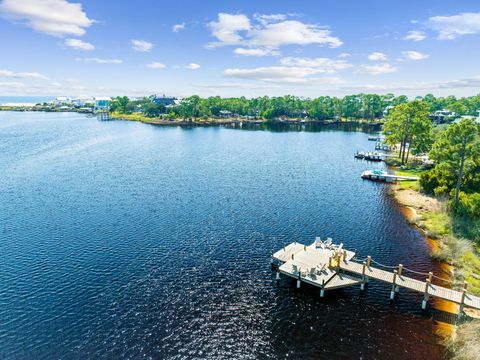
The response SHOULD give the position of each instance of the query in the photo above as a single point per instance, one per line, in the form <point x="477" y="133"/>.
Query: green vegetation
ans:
<point x="409" y="124"/>
<point x="324" y="108"/>
<point x="466" y="343"/>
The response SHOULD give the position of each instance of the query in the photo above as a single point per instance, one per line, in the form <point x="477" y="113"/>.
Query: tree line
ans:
<point x="350" y="107"/>
<point x="455" y="150"/>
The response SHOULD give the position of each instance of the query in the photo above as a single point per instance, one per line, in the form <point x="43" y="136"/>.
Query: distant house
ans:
<point x="62" y="100"/>
<point x="225" y="114"/>
<point x="165" y="101"/>
<point x="441" y="116"/>
<point x="101" y="103"/>
<point x="82" y="101"/>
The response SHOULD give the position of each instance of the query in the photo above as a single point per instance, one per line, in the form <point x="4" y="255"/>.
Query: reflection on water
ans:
<point x="119" y="240"/>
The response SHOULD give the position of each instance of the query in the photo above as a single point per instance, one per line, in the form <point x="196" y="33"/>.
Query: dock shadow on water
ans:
<point x="125" y="240"/>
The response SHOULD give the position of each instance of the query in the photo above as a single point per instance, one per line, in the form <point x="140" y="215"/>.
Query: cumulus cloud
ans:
<point x="52" y="17"/>
<point x="22" y="75"/>
<point x="377" y="69"/>
<point x="377" y="56"/>
<point x="192" y="66"/>
<point x="141" y="45"/>
<point x="156" y="65"/>
<point x="178" y="27"/>
<point x="79" y="44"/>
<point x="344" y="55"/>
<point x="415" y="35"/>
<point x="414" y="55"/>
<point x="100" y="61"/>
<point x="293" y="70"/>
<point x="256" y="52"/>
<point x="268" y="31"/>
<point x="451" y="27"/>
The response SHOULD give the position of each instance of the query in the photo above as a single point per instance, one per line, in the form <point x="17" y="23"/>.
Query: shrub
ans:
<point x="469" y="205"/>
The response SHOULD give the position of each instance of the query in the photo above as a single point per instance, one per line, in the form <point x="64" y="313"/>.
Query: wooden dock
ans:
<point x="380" y="175"/>
<point x="329" y="266"/>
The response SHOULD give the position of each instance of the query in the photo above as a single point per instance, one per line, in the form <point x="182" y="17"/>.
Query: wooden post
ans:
<point x="430" y="274"/>
<point x="277" y="277"/>
<point x="465" y="285"/>
<point x="283" y="248"/>
<point x="362" y="285"/>
<point x="400" y="270"/>
<point x="292" y="256"/>
<point x="462" y="302"/>
<point x="345" y="255"/>
<point x="330" y="262"/>
<point x="304" y="247"/>
<point x="369" y="259"/>
<point x="425" y="295"/>
<point x="322" y="289"/>
<point x="299" y="276"/>
<point x="392" y="293"/>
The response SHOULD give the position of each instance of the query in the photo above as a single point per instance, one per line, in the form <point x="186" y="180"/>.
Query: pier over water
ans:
<point x="330" y="266"/>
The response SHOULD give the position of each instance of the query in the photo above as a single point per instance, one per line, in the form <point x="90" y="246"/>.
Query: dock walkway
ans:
<point x="329" y="267"/>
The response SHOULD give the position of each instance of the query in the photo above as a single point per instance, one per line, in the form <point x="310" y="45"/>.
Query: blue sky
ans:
<point x="233" y="48"/>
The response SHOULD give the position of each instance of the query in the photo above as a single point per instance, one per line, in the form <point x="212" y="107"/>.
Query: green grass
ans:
<point x="412" y="185"/>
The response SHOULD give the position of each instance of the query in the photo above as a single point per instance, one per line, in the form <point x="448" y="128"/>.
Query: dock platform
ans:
<point x="379" y="175"/>
<point x="329" y="266"/>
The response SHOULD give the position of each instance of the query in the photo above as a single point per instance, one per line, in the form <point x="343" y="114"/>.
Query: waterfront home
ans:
<point x="101" y="103"/>
<point x="441" y="116"/>
<point x="165" y="101"/>
<point x="62" y="100"/>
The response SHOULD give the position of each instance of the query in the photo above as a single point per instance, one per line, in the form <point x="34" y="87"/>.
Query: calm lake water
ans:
<point x="125" y="240"/>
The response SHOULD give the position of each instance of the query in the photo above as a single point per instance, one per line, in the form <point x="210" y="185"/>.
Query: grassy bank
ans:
<point x="458" y="242"/>
<point x="458" y="238"/>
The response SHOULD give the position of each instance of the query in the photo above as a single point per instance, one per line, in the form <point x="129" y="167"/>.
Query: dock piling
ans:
<point x="425" y="295"/>
<point x="322" y="289"/>
<point x="392" y="293"/>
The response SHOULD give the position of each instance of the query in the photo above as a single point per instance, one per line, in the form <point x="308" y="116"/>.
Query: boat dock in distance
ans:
<point x="329" y="266"/>
<point x="381" y="175"/>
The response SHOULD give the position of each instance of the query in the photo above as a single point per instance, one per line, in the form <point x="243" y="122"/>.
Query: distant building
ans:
<point x="441" y="116"/>
<point x="165" y="101"/>
<point x="82" y="101"/>
<point x="101" y="103"/>
<point x="62" y="100"/>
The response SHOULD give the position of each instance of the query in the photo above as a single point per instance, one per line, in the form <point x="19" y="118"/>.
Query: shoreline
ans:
<point x="460" y="341"/>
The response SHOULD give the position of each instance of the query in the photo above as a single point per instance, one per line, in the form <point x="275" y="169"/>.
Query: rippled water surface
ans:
<point x="120" y="239"/>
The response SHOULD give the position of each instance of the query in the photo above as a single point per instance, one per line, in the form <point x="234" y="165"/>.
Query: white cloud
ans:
<point x="192" y="66"/>
<point x="321" y="65"/>
<point x="451" y="27"/>
<point x="6" y="85"/>
<point x="256" y="52"/>
<point x="79" y="44"/>
<point x="271" y="31"/>
<point x="141" y="45"/>
<point x="344" y="55"/>
<point x="377" y="69"/>
<point x="415" y="35"/>
<point x="156" y="65"/>
<point x="292" y="32"/>
<point x="265" y="19"/>
<point x="281" y="74"/>
<point x="293" y="70"/>
<point x="377" y="56"/>
<point x="178" y="27"/>
<point x="22" y="75"/>
<point x="100" y="61"/>
<point x="414" y="55"/>
<point x="228" y="27"/>
<point x="473" y="82"/>
<point x="53" y="17"/>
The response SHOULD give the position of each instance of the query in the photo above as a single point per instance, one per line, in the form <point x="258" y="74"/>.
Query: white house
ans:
<point x="62" y="100"/>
